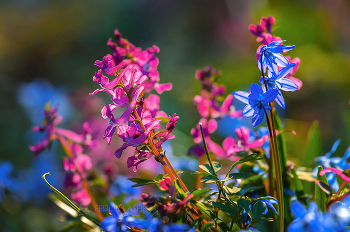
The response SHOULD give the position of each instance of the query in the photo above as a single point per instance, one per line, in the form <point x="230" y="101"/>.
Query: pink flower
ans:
<point x="232" y="147"/>
<point x="152" y="104"/>
<point x="82" y="197"/>
<point x="167" y="185"/>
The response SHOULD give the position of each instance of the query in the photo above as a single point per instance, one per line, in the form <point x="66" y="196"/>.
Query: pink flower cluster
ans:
<point x="263" y="32"/>
<point x="76" y="164"/>
<point x="209" y="108"/>
<point x="126" y="54"/>
<point x="135" y="73"/>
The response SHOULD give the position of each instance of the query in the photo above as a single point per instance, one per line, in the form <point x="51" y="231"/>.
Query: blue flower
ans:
<point x="119" y="222"/>
<point x="257" y="102"/>
<point x="279" y="82"/>
<point x="334" y="162"/>
<point x="309" y="220"/>
<point x="6" y="181"/>
<point x="271" y="57"/>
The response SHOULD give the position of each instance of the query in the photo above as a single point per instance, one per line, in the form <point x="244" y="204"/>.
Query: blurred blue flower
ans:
<point x="306" y="220"/>
<point x="334" y="162"/>
<point x="33" y="97"/>
<point x="270" y="56"/>
<point x="279" y="82"/>
<point x="311" y="219"/>
<point x="31" y="186"/>
<point x="6" y="180"/>
<point x="120" y="222"/>
<point x="121" y="185"/>
<point x="257" y="102"/>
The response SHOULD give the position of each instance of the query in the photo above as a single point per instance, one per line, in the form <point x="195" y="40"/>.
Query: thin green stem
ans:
<point x="76" y="208"/>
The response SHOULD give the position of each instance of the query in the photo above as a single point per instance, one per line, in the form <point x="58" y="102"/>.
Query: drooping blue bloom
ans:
<point x="268" y="203"/>
<point x="279" y="82"/>
<point x="338" y="218"/>
<point x="257" y="102"/>
<point x="271" y="57"/>
<point x="334" y="162"/>
<point x="6" y="180"/>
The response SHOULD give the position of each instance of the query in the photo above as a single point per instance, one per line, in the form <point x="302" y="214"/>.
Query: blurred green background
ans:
<point x="60" y="40"/>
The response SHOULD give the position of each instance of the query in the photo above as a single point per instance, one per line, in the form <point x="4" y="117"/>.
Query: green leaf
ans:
<point x="234" y="176"/>
<point x="225" y="208"/>
<point x="299" y="188"/>
<point x="252" y="179"/>
<point x="196" y="223"/>
<point x="314" y="141"/>
<point x="325" y="188"/>
<point x="207" y="168"/>
<point x="251" y="188"/>
<point x="258" y="209"/>
<point x="141" y="182"/>
<point x="244" y="204"/>
<point x="212" y="215"/>
<point x="180" y="192"/>
<point x="281" y="142"/>
<point x="248" y="158"/>
<point x="199" y="192"/>
<point x="201" y="173"/>
<point x="158" y="177"/>
<point x="232" y="190"/>
<point x="210" y="179"/>
<point x="320" y="195"/>
<point x="207" y="226"/>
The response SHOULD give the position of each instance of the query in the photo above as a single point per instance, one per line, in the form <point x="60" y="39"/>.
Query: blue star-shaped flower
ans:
<point x="279" y="82"/>
<point x="257" y="102"/>
<point x="270" y="56"/>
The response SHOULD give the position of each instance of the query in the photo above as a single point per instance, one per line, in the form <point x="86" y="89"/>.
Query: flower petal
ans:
<point x="287" y="85"/>
<point x="248" y="111"/>
<point x="242" y="96"/>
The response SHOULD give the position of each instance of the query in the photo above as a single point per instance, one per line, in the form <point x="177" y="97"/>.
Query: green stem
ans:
<point x="273" y="140"/>
<point x="76" y="208"/>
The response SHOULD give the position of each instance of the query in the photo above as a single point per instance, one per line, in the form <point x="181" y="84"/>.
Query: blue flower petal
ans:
<point x="270" y="95"/>
<point x="242" y="96"/>
<point x="280" y="100"/>
<point x="281" y="60"/>
<point x="284" y="71"/>
<point x="258" y="117"/>
<point x="297" y="209"/>
<point x="248" y="111"/>
<point x="256" y="90"/>
<point x="287" y="85"/>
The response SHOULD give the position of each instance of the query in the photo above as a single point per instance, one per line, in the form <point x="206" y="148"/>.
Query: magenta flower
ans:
<point x="232" y="147"/>
<point x="82" y="197"/>
<point x="132" y="137"/>
<point x="167" y="185"/>
<point x="50" y="126"/>
<point x="209" y="127"/>
<point x="135" y="160"/>
<point x="152" y="104"/>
